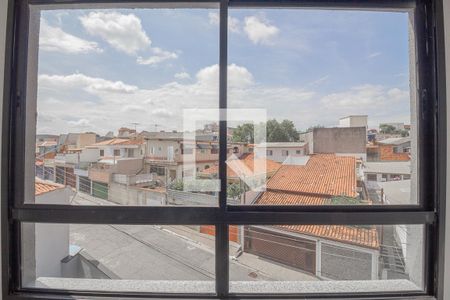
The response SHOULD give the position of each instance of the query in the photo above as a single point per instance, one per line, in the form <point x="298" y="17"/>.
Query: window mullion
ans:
<point x="222" y="269"/>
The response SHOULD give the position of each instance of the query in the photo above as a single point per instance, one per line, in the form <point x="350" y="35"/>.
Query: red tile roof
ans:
<point x="42" y="187"/>
<point x="323" y="177"/>
<point x="365" y="237"/>
<point x="117" y="141"/>
<point x="249" y="161"/>
<point x="323" y="174"/>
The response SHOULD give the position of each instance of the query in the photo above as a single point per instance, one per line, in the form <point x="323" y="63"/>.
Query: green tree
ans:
<point x="244" y="133"/>
<point x="177" y="185"/>
<point x="275" y="132"/>
<point x="387" y="129"/>
<point x="234" y="191"/>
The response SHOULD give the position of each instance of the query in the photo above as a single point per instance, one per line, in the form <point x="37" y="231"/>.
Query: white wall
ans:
<point x="51" y="240"/>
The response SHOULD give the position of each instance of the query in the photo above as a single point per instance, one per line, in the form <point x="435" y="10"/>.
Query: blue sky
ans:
<point x="103" y="69"/>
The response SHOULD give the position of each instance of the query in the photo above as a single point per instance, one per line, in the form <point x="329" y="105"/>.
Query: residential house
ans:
<point x="238" y="168"/>
<point x="327" y="251"/>
<point x="167" y="152"/>
<point x="279" y="152"/>
<point x="118" y="160"/>
<point x="387" y="171"/>
<point x="390" y="149"/>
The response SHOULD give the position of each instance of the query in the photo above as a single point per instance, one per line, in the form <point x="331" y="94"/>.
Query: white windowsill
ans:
<point x="178" y="286"/>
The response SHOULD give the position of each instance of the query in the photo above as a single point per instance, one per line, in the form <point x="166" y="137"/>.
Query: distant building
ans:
<point x="125" y="132"/>
<point x="347" y="141"/>
<point x="279" y="152"/>
<point x="353" y="121"/>
<point x="391" y="149"/>
<point x="75" y="141"/>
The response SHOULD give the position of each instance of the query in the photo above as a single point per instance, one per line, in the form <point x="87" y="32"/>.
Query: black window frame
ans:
<point x="429" y="36"/>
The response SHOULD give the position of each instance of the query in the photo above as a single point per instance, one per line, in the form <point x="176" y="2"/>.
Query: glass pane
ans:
<point x="338" y="90"/>
<point x="146" y="258"/>
<point x="326" y="258"/>
<point x="114" y="87"/>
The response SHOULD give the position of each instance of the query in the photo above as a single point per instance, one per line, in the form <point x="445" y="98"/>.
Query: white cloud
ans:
<point x="133" y="108"/>
<point x="116" y="103"/>
<point x="158" y="57"/>
<point x="260" y="31"/>
<point x="237" y="77"/>
<point x="182" y="75"/>
<point x="373" y="55"/>
<point x="162" y="113"/>
<point x="233" y="23"/>
<point x="79" y="123"/>
<point x="124" y="32"/>
<point x="56" y="40"/>
<point x="90" y="84"/>
<point x="379" y="102"/>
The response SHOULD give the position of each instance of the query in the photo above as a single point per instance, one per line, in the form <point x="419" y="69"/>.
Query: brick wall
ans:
<point x="211" y="230"/>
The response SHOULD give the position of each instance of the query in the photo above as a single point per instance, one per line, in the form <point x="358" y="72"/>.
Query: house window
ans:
<point x="269" y="152"/>
<point x="298" y="151"/>
<point x="102" y="152"/>
<point x="116" y="152"/>
<point x="372" y="177"/>
<point x="319" y="229"/>
<point x="284" y="152"/>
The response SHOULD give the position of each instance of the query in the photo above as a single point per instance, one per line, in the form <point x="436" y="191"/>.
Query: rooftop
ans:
<point x="118" y="141"/>
<point x="324" y="175"/>
<point x="42" y="187"/>
<point x="389" y="167"/>
<point x="395" y="141"/>
<point x="281" y="145"/>
<point x="397" y="192"/>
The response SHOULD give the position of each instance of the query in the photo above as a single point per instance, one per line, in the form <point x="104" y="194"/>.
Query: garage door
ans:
<point x="100" y="190"/>
<point x="84" y="184"/>
<point x="287" y="249"/>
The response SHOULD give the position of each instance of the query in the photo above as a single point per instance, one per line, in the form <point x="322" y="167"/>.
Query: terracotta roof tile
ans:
<point x="42" y="187"/>
<point x="327" y="174"/>
<point x="365" y="237"/>
<point x="117" y="141"/>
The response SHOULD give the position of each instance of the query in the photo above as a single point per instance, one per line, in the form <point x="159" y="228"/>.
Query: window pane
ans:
<point x="326" y="258"/>
<point x="338" y="91"/>
<point x="113" y="87"/>
<point x="171" y="259"/>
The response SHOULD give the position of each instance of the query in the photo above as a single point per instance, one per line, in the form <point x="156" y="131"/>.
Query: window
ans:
<point x="116" y="152"/>
<point x="372" y="177"/>
<point x="269" y="152"/>
<point x="102" y="152"/>
<point x="298" y="151"/>
<point x="249" y="226"/>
